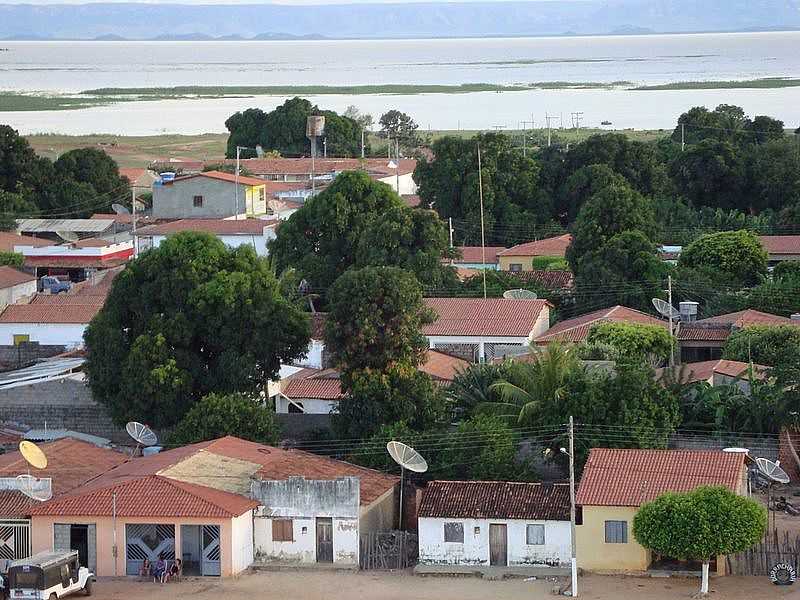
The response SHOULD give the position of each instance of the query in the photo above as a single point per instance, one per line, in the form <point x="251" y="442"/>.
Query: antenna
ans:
<point x="67" y="236"/>
<point x="36" y="489"/>
<point x="407" y="458"/>
<point x="32" y="454"/>
<point x="141" y="434"/>
<point x="665" y="309"/>
<point x="519" y="295"/>
<point x="120" y="210"/>
<point x="772" y="470"/>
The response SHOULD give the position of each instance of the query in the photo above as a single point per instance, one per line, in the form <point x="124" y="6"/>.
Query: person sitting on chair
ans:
<point x="144" y="570"/>
<point x="173" y="572"/>
<point x="160" y="568"/>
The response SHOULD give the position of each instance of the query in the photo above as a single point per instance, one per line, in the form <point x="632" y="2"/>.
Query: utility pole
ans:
<point x="450" y="225"/>
<point x="133" y="212"/>
<point x="576" y="120"/>
<point x="573" y="559"/>
<point x="483" y="235"/>
<point x="362" y="143"/>
<point x="671" y="333"/>
<point x="397" y="170"/>
<point x="525" y="135"/>
<point x="683" y="137"/>
<point x="547" y="118"/>
<point x="236" y="183"/>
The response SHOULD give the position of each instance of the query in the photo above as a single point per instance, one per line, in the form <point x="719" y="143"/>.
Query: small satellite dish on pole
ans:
<point x="32" y="454"/>
<point x="407" y="458"/>
<point x="119" y="209"/>
<point x="67" y="236"/>
<point x="141" y="434"/>
<point x="519" y="295"/>
<point x="666" y="309"/>
<point x="36" y="489"/>
<point x="772" y="470"/>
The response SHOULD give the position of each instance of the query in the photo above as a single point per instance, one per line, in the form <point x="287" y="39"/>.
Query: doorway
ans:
<point x="200" y="549"/>
<point x="79" y="540"/>
<point x="324" y="540"/>
<point x="498" y="545"/>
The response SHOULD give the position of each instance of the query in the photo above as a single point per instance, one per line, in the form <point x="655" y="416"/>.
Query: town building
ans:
<point x="140" y="179"/>
<point x="616" y="482"/>
<point x="520" y="257"/>
<point x="472" y="257"/>
<point x="715" y="373"/>
<point x="76" y="261"/>
<point x="208" y="195"/>
<point x="51" y="228"/>
<point x="577" y="329"/>
<point x="15" y="285"/>
<point x="494" y="523"/>
<point x="233" y="232"/>
<point x="780" y="248"/>
<point x="478" y="329"/>
<point x="58" y="320"/>
<point x="9" y="239"/>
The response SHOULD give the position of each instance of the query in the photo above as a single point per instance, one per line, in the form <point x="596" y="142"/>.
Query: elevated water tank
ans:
<point x="688" y="310"/>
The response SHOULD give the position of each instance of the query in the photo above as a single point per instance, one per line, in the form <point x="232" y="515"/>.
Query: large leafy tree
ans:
<point x="699" y="525"/>
<point x="17" y="158"/>
<point x="95" y="168"/>
<point x="774" y="346"/>
<point x="218" y="415"/>
<point x="736" y="256"/>
<point x="633" y="341"/>
<point x="712" y="173"/>
<point x="187" y="319"/>
<point x="357" y="222"/>
<point x="396" y="125"/>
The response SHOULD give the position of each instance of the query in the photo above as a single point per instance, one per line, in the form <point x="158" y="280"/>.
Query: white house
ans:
<point x="494" y="523"/>
<point x="15" y="285"/>
<point x="49" y="320"/>
<point x="79" y="260"/>
<point x="479" y="329"/>
<point x="233" y="232"/>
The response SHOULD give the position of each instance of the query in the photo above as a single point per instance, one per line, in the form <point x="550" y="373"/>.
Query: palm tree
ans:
<point x="540" y="379"/>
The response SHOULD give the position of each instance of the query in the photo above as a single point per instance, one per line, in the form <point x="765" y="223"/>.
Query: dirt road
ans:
<point x="315" y="585"/>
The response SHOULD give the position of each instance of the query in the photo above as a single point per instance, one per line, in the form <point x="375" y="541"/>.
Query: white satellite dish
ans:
<point x="407" y="458"/>
<point x="666" y="309"/>
<point x="772" y="470"/>
<point x="392" y="165"/>
<point x="36" y="489"/>
<point x="519" y="295"/>
<point x="67" y="236"/>
<point x="736" y="450"/>
<point x="120" y="210"/>
<point x="141" y="434"/>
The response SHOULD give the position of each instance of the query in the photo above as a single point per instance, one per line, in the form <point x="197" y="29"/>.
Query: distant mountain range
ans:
<point x="150" y="21"/>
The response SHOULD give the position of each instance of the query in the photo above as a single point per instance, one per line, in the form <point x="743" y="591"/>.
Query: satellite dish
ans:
<point x="519" y="295"/>
<point x="67" y="236"/>
<point x="392" y="164"/>
<point x="32" y="454"/>
<point x="120" y="210"/>
<point x="141" y="433"/>
<point x="407" y="457"/>
<point x="36" y="489"/>
<point x="772" y="470"/>
<point x="665" y="308"/>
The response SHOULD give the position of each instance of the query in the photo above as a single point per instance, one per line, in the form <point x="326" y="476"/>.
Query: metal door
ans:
<point x="211" y="550"/>
<point x="15" y="539"/>
<point x="324" y="539"/>
<point x="498" y="545"/>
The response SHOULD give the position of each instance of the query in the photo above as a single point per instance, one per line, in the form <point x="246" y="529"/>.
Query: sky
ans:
<point x="284" y="2"/>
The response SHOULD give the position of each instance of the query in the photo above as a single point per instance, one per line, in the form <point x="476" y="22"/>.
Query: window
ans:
<point x="535" y="535"/>
<point x="515" y="267"/>
<point x="454" y="532"/>
<point x="616" y="532"/>
<point x="198" y="201"/>
<point x="282" y="530"/>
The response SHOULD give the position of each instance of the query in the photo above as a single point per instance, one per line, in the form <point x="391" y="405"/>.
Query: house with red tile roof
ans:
<point x="52" y="321"/>
<point x="476" y="257"/>
<point x="781" y="247"/>
<point x="520" y="257"/>
<point x="219" y="505"/>
<point x="715" y="373"/>
<point x="208" y="195"/>
<point x="616" y="482"/>
<point x="76" y="261"/>
<point x="474" y="524"/>
<point x="232" y="232"/>
<point x="577" y="329"/>
<point x="478" y="329"/>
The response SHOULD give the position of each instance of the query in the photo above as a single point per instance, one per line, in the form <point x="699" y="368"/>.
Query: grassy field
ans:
<point x="764" y="83"/>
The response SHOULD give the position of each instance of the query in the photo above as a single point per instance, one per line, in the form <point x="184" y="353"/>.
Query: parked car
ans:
<point x="49" y="575"/>
<point x="53" y="285"/>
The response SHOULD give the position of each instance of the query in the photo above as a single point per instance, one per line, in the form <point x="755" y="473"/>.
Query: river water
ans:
<point x="76" y="66"/>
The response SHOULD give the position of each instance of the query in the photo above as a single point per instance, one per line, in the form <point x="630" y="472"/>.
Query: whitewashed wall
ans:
<point x="242" y="542"/>
<point x="47" y="334"/>
<point x="313" y="357"/>
<point x="311" y="406"/>
<point x="10" y="295"/>
<point x="434" y="550"/>
<point x="407" y="185"/>
<point x="259" y="242"/>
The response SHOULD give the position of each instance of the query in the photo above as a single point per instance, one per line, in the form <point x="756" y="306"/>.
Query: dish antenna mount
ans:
<point x="40" y="490"/>
<point x="67" y="236"/>
<point x="665" y="309"/>
<point x="519" y="295"/>
<point x="407" y="458"/>
<point x="773" y="473"/>
<point x="141" y="434"/>
<point x="120" y="209"/>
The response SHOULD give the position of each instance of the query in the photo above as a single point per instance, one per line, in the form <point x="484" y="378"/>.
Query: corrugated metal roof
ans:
<point x="479" y="317"/>
<point x="45" y="369"/>
<point x="49" y="435"/>
<point x="73" y="225"/>
<point x="495" y="500"/>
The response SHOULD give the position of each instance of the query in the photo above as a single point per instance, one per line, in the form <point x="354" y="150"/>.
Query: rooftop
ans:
<point x="490" y="317"/>
<point x="617" y="477"/>
<point x="9" y="277"/>
<point x="495" y="500"/>
<point x="46" y="369"/>
<point x="50" y="313"/>
<point x="705" y="370"/>
<point x="474" y="254"/>
<point x="780" y="244"/>
<point x="748" y="317"/>
<point x="9" y="239"/>
<point x="302" y="166"/>
<point x="215" y="226"/>
<point x="703" y="332"/>
<point x="222" y="176"/>
<point x="554" y="246"/>
<point x="577" y="328"/>
<point x="72" y="225"/>
<point x="552" y="280"/>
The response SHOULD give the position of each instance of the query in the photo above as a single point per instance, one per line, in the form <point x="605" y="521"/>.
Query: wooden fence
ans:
<point x="773" y="549"/>
<point x="388" y="550"/>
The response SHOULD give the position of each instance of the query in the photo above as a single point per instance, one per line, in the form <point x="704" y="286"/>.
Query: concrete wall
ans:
<point x="258" y="242"/>
<point x="313" y="357"/>
<point x="62" y="541"/>
<point x="242" y="542"/>
<point x="595" y="555"/>
<point x="47" y="334"/>
<point x="176" y="200"/>
<point x="11" y="294"/>
<point x="433" y="550"/>
<point x="381" y="514"/>
<point x="311" y="406"/>
<point x="407" y="185"/>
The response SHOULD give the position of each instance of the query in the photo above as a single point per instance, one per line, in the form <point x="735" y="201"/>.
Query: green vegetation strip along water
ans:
<point x="765" y="83"/>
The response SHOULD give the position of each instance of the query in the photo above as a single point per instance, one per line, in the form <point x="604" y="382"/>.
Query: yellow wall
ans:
<point x="505" y="262"/>
<point x="595" y="555"/>
<point x="42" y="538"/>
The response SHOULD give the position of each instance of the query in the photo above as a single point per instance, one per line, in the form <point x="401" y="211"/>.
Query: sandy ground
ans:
<point x="316" y="585"/>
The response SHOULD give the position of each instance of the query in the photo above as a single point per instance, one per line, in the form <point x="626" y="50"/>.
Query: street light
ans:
<point x="571" y="454"/>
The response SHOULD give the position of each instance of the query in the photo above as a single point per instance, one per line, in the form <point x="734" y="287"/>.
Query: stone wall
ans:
<point x="25" y="354"/>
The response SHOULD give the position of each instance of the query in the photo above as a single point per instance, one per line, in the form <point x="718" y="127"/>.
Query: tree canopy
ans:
<point x="396" y="125"/>
<point x="633" y="341"/>
<point x="736" y="256"/>
<point x="186" y="319"/>
<point x="774" y="346"/>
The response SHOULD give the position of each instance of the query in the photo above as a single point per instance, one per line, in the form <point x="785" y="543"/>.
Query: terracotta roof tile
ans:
<point x="441" y="366"/>
<point x="615" y="477"/>
<point x="68" y="299"/>
<point x="222" y="176"/>
<point x="552" y="280"/>
<point x="489" y="317"/>
<point x="50" y="313"/>
<point x="703" y="332"/>
<point x="9" y="277"/>
<point x="495" y="500"/>
<point x="473" y="254"/>
<point x="302" y="166"/>
<point x="317" y="384"/>
<point x="748" y="317"/>
<point x="554" y="246"/>
<point x="215" y="226"/>
<point x="577" y="328"/>
<point x="9" y="239"/>
<point x="780" y="244"/>
<point x="705" y="370"/>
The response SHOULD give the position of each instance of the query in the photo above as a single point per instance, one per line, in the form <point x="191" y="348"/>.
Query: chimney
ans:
<point x="688" y="311"/>
<point x="795" y="317"/>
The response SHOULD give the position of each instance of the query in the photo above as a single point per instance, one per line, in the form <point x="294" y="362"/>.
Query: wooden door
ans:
<point x="324" y="539"/>
<point x="498" y="545"/>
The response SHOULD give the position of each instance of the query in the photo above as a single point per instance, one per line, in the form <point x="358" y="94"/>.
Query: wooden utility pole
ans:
<point x="573" y="558"/>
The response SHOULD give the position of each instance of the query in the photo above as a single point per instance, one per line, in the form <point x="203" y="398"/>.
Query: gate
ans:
<point x="211" y="550"/>
<point x="145" y="540"/>
<point x="15" y="539"/>
<point x="760" y="559"/>
<point x="388" y="550"/>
